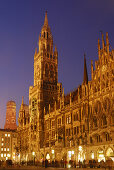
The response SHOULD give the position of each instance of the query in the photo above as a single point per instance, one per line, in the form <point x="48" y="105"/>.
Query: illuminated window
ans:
<point x="7" y="149"/>
<point x="92" y="155"/>
<point x="2" y="139"/>
<point x="1" y="149"/>
<point x="5" y="134"/>
<point x="2" y="155"/>
<point x="8" y="155"/>
<point x="4" y="149"/>
<point x="72" y="152"/>
<point x="5" y="155"/>
<point x="68" y="119"/>
<point x="8" y="135"/>
<point x="2" y="144"/>
<point x="69" y="154"/>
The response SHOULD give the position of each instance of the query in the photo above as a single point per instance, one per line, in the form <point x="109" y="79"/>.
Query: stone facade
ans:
<point x="8" y="144"/>
<point x="23" y="131"/>
<point x="78" y="126"/>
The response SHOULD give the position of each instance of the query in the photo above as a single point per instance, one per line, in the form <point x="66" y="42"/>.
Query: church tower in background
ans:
<point x="10" y="122"/>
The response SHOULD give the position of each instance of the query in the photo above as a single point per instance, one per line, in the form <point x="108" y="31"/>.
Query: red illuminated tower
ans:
<point x="10" y="122"/>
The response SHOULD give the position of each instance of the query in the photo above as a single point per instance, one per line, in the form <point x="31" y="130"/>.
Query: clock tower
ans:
<point x="44" y="93"/>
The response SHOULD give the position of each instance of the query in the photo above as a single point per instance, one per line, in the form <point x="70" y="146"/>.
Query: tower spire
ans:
<point x="85" y="77"/>
<point x="107" y="42"/>
<point x="103" y="43"/>
<point x="99" y="48"/>
<point x="22" y="100"/>
<point x="46" y="19"/>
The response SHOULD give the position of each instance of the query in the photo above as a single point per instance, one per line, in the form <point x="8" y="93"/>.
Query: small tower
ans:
<point x="10" y="122"/>
<point x="107" y="42"/>
<point x="99" y="48"/>
<point x="85" y="77"/>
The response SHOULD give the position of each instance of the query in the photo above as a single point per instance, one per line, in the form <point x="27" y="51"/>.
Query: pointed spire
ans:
<point x="92" y="69"/>
<point x="103" y="43"/>
<point x="35" y="52"/>
<point x="22" y="103"/>
<point x="22" y="100"/>
<point x="55" y="48"/>
<point x="107" y="42"/>
<point x="99" y="48"/>
<point x="85" y="78"/>
<point x="46" y="19"/>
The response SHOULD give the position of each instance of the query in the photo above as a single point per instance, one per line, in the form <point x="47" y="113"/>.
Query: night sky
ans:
<point x="75" y="26"/>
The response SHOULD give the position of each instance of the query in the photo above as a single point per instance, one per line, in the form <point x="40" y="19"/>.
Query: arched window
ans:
<point x="46" y="70"/>
<point x="104" y="120"/>
<point x="51" y="72"/>
<point x="95" y="121"/>
<point x="106" y="104"/>
<point x="97" y="108"/>
<point x="44" y="34"/>
<point x="48" y="47"/>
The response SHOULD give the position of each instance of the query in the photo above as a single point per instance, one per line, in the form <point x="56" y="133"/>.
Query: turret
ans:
<point x="92" y="69"/>
<point x="99" y="48"/>
<point x="85" y="77"/>
<point x="22" y="103"/>
<point x="107" y="42"/>
<point x="103" y="43"/>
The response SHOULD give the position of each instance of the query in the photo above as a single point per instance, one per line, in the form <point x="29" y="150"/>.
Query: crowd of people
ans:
<point x="73" y="164"/>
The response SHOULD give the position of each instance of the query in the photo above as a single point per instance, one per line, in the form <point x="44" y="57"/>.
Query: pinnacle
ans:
<point x="22" y="100"/>
<point x="85" y="78"/>
<point x="46" y="19"/>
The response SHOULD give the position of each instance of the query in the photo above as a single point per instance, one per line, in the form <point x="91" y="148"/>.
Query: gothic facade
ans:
<point x="78" y="126"/>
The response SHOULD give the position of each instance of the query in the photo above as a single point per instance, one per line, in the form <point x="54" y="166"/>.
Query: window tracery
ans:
<point x="97" y="107"/>
<point x="106" y="104"/>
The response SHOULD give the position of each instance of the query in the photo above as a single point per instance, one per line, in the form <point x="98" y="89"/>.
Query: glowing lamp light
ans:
<point x="69" y="166"/>
<point x="80" y="148"/>
<point x="69" y="154"/>
<point x="48" y="157"/>
<point x="52" y="151"/>
<point x="72" y="152"/>
<point x="33" y="153"/>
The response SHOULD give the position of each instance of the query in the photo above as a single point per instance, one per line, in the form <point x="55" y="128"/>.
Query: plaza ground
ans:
<point x="50" y="168"/>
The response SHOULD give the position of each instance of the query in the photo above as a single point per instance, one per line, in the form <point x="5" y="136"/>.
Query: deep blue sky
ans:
<point x="75" y="26"/>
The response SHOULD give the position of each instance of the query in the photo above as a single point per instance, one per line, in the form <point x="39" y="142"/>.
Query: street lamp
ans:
<point x="33" y="153"/>
<point x="52" y="151"/>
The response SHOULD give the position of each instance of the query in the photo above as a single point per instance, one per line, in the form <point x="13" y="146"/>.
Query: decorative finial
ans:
<point x="55" y="48"/>
<point x="22" y="100"/>
<point x="107" y="42"/>
<point x="46" y="19"/>
<point x="103" y="43"/>
<point x="35" y="51"/>
<point x="85" y="78"/>
<point x="99" y="48"/>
